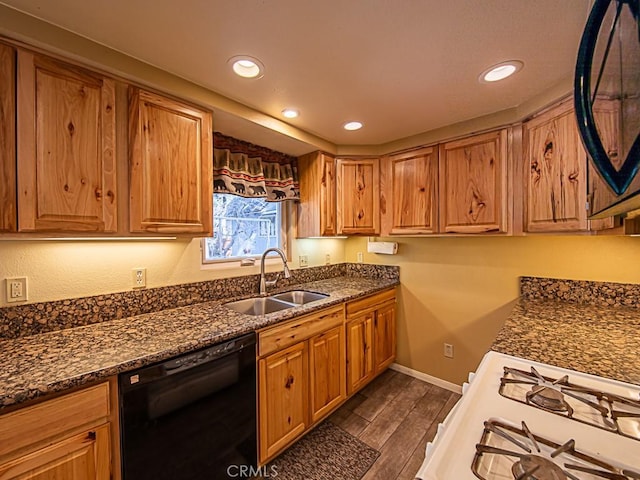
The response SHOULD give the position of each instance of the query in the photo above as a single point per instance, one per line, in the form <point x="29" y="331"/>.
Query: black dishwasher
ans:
<point x="192" y="417"/>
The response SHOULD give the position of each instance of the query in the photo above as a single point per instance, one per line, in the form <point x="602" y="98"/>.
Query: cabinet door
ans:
<point x="408" y="186"/>
<point x="81" y="457"/>
<point x="66" y="147"/>
<point x="360" y="368"/>
<point x="473" y="184"/>
<point x="556" y="182"/>
<point x="317" y="206"/>
<point x="170" y="148"/>
<point x="283" y="398"/>
<point x="358" y="200"/>
<point x="8" y="211"/>
<point x="327" y="383"/>
<point x="384" y="336"/>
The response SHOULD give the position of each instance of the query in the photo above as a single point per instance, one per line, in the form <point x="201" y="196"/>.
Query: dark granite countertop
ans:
<point x="41" y="364"/>
<point x="600" y="340"/>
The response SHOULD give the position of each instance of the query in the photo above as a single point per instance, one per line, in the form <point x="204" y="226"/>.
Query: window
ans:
<point x="243" y="227"/>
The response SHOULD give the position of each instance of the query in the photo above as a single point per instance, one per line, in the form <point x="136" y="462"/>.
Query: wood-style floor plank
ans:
<point x="380" y="396"/>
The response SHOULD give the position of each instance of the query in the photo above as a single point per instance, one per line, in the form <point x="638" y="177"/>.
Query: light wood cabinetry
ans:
<point x="326" y="372"/>
<point x="66" y="147"/>
<point x="556" y="182"/>
<point x="301" y="377"/>
<point x="283" y="394"/>
<point x="67" y="438"/>
<point x="317" y="206"/>
<point x="8" y="196"/>
<point x="409" y="192"/>
<point x="473" y="184"/>
<point x="358" y="199"/>
<point x="371" y="338"/>
<point x="171" y="151"/>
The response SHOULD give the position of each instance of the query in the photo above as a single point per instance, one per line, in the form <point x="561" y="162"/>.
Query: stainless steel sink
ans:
<point x="258" y="305"/>
<point x="299" y="297"/>
<point x="274" y="303"/>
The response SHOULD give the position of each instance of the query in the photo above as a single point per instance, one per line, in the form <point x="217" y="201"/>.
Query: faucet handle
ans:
<point x="272" y="283"/>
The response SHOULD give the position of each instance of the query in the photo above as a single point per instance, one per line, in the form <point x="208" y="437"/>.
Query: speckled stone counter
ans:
<point x="596" y="337"/>
<point x="37" y="365"/>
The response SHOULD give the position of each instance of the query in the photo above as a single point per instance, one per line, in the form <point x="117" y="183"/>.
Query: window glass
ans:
<point x="242" y="227"/>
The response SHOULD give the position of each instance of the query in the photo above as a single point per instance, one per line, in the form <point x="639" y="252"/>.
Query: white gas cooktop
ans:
<point x="515" y="422"/>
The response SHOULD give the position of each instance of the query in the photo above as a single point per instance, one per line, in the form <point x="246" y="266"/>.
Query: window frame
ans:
<point x="286" y="221"/>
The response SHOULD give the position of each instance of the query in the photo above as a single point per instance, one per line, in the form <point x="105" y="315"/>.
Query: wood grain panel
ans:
<point x="8" y="193"/>
<point x="317" y="205"/>
<point x="370" y="303"/>
<point x="384" y="336"/>
<point x="80" y="457"/>
<point x="31" y="425"/>
<point x="358" y="200"/>
<point x="556" y="179"/>
<point x="360" y="367"/>
<point x="171" y="165"/>
<point x="327" y="372"/>
<point x="283" y="405"/>
<point x="473" y="184"/>
<point x="66" y="147"/>
<point x="284" y="334"/>
<point x="409" y="189"/>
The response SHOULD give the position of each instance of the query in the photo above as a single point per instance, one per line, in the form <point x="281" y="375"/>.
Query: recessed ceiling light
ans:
<point x="246" y="66"/>
<point x="352" y="126"/>
<point x="290" y="113"/>
<point x="500" y="71"/>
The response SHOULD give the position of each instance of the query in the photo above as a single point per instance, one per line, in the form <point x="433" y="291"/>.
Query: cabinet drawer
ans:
<point x="361" y="306"/>
<point x="288" y="333"/>
<point x="31" y="425"/>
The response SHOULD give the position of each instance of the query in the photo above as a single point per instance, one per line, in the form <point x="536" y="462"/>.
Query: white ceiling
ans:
<point x="402" y="67"/>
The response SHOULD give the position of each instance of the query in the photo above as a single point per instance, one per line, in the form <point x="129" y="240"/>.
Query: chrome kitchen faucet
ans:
<point x="264" y="283"/>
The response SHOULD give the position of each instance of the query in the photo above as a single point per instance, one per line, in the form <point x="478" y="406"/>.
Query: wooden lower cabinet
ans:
<point x="359" y="352"/>
<point x="283" y="393"/>
<point x="65" y="438"/>
<point x="327" y="386"/>
<point x="84" y="456"/>
<point x="371" y="338"/>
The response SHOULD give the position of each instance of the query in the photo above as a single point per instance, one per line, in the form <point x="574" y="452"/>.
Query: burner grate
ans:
<point x="506" y="452"/>
<point x="593" y="407"/>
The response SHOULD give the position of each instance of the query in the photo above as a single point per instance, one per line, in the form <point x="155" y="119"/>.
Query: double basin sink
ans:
<point x="274" y="303"/>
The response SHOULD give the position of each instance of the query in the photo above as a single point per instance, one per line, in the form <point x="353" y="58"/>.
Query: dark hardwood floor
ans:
<point x="397" y="415"/>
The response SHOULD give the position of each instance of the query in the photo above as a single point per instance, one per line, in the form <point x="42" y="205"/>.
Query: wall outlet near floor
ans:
<point x="360" y="257"/>
<point x="303" y="261"/>
<point x="16" y="289"/>
<point x="448" y="350"/>
<point x="139" y="277"/>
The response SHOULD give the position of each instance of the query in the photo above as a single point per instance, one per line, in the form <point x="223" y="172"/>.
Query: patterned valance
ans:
<point x="248" y="170"/>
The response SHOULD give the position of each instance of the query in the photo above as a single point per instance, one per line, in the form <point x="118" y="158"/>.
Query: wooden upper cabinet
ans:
<point x="358" y="199"/>
<point x="66" y="147"/>
<point x="473" y="184"/>
<point x="555" y="165"/>
<point x="8" y="209"/>
<point x="317" y="206"/>
<point x="171" y="163"/>
<point x="409" y="192"/>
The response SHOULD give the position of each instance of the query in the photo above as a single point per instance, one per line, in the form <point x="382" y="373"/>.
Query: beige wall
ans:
<point x="460" y="290"/>
<point x="70" y="269"/>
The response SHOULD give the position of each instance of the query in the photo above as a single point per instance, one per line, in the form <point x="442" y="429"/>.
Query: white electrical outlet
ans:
<point x="139" y="277"/>
<point x="303" y="261"/>
<point x="327" y="259"/>
<point x="360" y="257"/>
<point x="448" y="350"/>
<point x="16" y="289"/>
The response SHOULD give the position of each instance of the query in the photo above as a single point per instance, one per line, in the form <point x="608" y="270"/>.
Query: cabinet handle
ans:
<point x="91" y="435"/>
